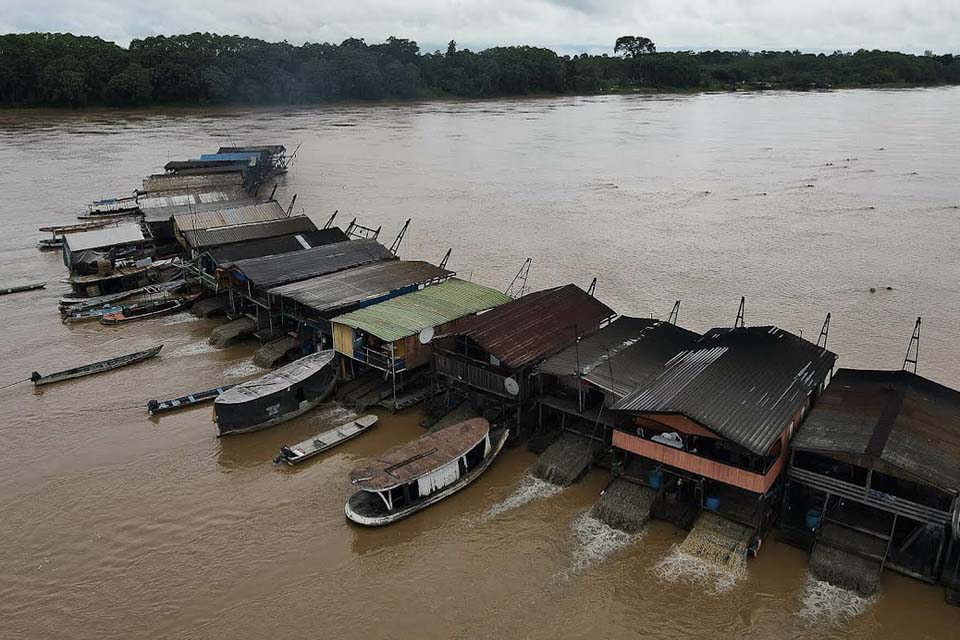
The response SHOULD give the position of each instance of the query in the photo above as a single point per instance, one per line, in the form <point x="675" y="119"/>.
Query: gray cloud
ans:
<point x="570" y="26"/>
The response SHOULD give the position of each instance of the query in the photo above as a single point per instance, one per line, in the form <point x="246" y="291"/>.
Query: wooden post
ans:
<point x="886" y="551"/>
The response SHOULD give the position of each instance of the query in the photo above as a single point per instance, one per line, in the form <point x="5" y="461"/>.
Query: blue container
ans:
<point x="712" y="503"/>
<point x="656" y="479"/>
<point x="813" y="519"/>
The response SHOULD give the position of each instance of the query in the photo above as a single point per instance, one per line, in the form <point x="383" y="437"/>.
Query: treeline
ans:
<point x="52" y="69"/>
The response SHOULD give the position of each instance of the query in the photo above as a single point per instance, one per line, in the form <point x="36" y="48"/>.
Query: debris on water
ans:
<point x="243" y="369"/>
<point x="192" y="349"/>
<point x="889" y="288"/>
<point x="824" y="603"/>
<point x="680" y="566"/>
<point x="531" y="489"/>
<point x="873" y="289"/>
<point x="714" y="553"/>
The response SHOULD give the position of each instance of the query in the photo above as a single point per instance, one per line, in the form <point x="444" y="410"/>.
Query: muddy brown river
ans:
<point x="115" y="525"/>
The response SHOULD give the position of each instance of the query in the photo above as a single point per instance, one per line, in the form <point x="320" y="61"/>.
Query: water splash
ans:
<point x="192" y="349"/>
<point x="179" y="318"/>
<point x="243" y="369"/>
<point x="595" y="541"/>
<point x="680" y="566"/>
<point x="824" y="603"/>
<point x="530" y="490"/>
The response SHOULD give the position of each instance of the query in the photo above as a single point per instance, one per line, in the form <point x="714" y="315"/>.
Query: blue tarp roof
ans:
<point x="232" y="157"/>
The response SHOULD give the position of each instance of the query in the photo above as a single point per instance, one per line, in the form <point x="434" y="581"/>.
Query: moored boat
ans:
<point x="278" y="396"/>
<point x="89" y="314"/>
<point x="325" y="441"/>
<point x="161" y="406"/>
<point x="146" y="310"/>
<point x="23" y="287"/>
<point x="96" y="367"/>
<point x="415" y="475"/>
<point x="49" y="244"/>
<point x="72" y="303"/>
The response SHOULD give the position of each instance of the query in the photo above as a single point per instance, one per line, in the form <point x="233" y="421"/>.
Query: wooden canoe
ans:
<point x="325" y="441"/>
<point x="145" y="311"/>
<point x="162" y="406"/>
<point x="23" y="287"/>
<point x="96" y="367"/>
<point x="49" y="244"/>
<point x="89" y="314"/>
<point x="81" y="304"/>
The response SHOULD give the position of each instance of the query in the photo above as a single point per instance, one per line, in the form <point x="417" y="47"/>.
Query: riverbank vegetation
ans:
<point x="51" y="69"/>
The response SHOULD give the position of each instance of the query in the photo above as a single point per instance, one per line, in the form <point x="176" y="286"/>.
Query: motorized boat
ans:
<point x="296" y="453"/>
<point x="162" y="406"/>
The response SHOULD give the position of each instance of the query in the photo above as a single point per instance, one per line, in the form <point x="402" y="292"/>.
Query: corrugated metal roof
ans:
<point x="238" y="156"/>
<point x="265" y="148"/>
<point x="217" y="165"/>
<point x="361" y="284"/>
<point x="164" y="182"/>
<point x="164" y="214"/>
<point x="259" y="212"/>
<point x="623" y="355"/>
<point x="409" y="314"/>
<point x="206" y="238"/>
<point x="102" y="238"/>
<point x="274" y="246"/>
<point x="272" y="271"/>
<point x="897" y="417"/>
<point x="745" y="384"/>
<point x="537" y="325"/>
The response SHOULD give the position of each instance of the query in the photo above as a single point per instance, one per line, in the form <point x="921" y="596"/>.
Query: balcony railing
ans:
<point x="472" y="375"/>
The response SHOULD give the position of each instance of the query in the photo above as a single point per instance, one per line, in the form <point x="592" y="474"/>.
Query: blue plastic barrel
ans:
<point x="656" y="479"/>
<point x="712" y="503"/>
<point x="813" y="519"/>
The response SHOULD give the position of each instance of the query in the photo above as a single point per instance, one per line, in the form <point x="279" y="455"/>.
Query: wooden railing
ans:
<point x="755" y="482"/>
<point x="471" y="374"/>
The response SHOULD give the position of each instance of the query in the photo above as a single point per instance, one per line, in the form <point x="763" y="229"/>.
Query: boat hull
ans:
<point x="120" y="318"/>
<point x="337" y="438"/>
<point x="353" y="509"/>
<point x="224" y="427"/>
<point x="163" y="406"/>
<point x="95" y="368"/>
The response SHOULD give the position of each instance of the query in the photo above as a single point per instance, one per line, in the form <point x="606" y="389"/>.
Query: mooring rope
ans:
<point x="14" y="383"/>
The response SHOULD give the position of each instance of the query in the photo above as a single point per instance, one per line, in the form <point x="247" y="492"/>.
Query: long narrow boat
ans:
<point x="81" y="304"/>
<point x="146" y="310"/>
<point x="87" y="315"/>
<point x="325" y="441"/>
<point x="162" y="406"/>
<point x="73" y="228"/>
<point x="415" y="475"/>
<point x="23" y="287"/>
<point x="96" y="367"/>
<point x="49" y="244"/>
<point x="278" y="396"/>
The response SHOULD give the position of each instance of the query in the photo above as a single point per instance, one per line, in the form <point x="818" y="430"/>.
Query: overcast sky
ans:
<point x="568" y="26"/>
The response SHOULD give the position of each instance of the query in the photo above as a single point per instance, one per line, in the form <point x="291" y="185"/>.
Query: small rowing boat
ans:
<point x="278" y="396"/>
<point x="23" y="287"/>
<point x="89" y="314"/>
<point x="162" y="406"/>
<point x="325" y="441"/>
<point x="413" y="476"/>
<point x="96" y="367"/>
<point x="146" y="310"/>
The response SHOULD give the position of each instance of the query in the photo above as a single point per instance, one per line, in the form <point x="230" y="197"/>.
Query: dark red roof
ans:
<point x="535" y="326"/>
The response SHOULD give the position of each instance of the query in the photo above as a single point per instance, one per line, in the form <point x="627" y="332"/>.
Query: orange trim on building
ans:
<point x="673" y="422"/>
<point x="755" y="482"/>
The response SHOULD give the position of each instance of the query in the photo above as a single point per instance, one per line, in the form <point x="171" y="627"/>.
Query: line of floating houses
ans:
<point x="728" y="433"/>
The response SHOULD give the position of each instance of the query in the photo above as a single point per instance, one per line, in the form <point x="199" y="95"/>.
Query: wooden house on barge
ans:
<point x="874" y="480"/>
<point x="714" y="426"/>
<point x="491" y="358"/>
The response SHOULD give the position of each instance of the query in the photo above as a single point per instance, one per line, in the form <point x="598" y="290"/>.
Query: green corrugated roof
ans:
<point x="429" y="307"/>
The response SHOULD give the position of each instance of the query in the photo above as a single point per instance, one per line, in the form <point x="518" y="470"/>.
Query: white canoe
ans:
<point x="325" y="441"/>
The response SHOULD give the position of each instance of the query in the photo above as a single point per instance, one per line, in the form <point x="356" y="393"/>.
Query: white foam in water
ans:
<point x="530" y="489"/>
<point x="594" y="542"/>
<point x="824" y="603"/>
<point x="243" y="369"/>
<point x="179" y="318"/>
<point x="680" y="566"/>
<point x="192" y="349"/>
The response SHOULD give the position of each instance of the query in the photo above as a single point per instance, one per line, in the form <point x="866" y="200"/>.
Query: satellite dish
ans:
<point x="426" y="335"/>
<point x="512" y="386"/>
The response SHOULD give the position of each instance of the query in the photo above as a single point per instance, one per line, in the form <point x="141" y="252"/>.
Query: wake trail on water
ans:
<point x="594" y="541"/>
<point x="530" y="490"/>
<point x="243" y="369"/>
<point x="192" y="349"/>
<point x="824" y="603"/>
<point x="179" y="318"/>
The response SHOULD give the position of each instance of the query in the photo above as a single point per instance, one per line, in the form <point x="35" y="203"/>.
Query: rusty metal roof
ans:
<point x="206" y="238"/>
<point x="412" y="460"/>
<point x="745" y="384"/>
<point x="904" y="423"/>
<point x="432" y="306"/>
<point x="173" y="182"/>
<point x="272" y="271"/>
<point x="366" y="284"/>
<point x="623" y="355"/>
<point x="535" y="326"/>
<point x="224" y="217"/>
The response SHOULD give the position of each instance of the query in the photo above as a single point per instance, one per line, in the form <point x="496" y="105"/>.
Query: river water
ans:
<point x="114" y="525"/>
